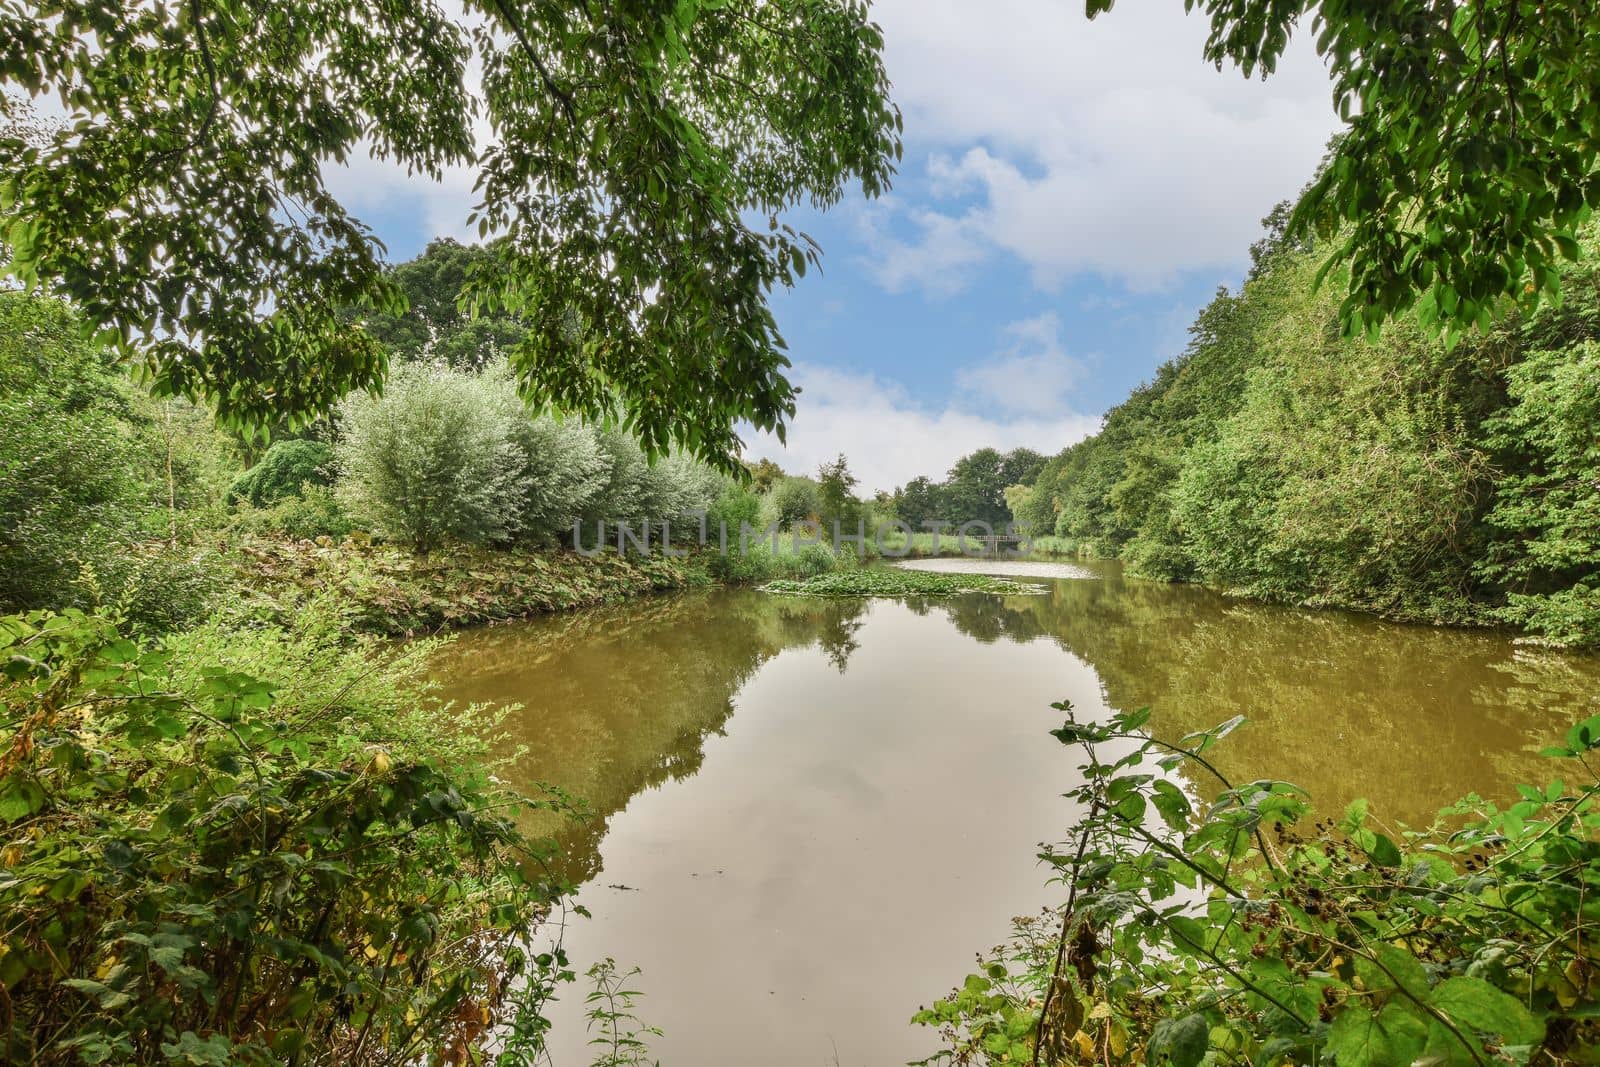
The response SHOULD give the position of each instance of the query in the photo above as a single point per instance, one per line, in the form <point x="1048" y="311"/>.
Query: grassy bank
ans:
<point x="388" y="590"/>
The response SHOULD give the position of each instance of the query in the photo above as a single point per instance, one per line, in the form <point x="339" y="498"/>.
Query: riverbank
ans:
<point x="393" y="592"/>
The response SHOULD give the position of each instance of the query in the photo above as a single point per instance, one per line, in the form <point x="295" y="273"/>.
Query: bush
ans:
<point x="734" y="508"/>
<point x="450" y="454"/>
<point x="558" y="471"/>
<point x="285" y="468"/>
<point x="1546" y="517"/>
<point x="432" y="459"/>
<point x="316" y="512"/>
<point x="69" y="500"/>
<point x="791" y="501"/>
<point x="809" y="562"/>
<point x="1225" y="932"/>
<point x="635" y="491"/>
<point x="100" y="487"/>
<point x="248" y="847"/>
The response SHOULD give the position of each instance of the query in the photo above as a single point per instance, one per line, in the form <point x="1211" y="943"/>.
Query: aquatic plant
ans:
<point x="894" y="582"/>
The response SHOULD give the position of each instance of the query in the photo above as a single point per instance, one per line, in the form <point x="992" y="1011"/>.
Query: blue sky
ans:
<point x="1071" y="194"/>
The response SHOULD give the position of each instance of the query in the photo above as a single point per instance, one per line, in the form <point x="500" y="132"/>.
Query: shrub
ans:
<point x="100" y="487"/>
<point x="316" y="512"/>
<point x="809" y="562"/>
<point x="284" y="469"/>
<point x="69" y="499"/>
<point x="1545" y="551"/>
<point x="434" y="458"/>
<point x="791" y="501"/>
<point x="733" y="508"/>
<point x="558" y="471"/>
<point x="1226" y="932"/>
<point x="247" y="847"/>
<point x="756" y="565"/>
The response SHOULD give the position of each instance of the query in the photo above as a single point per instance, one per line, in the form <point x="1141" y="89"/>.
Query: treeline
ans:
<point x="115" y="502"/>
<point x="1397" y="474"/>
<point x="981" y="487"/>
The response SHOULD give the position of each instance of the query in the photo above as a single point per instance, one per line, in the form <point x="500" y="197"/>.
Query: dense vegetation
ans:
<point x="980" y="487"/>
<point x="252" y="845"/>
<point x="233" y="831"/>
<point x="1398" y="475"/>
<point x="1226" y="931"/>
<point x="634" y="163"/>
<point x="898" y="582"/>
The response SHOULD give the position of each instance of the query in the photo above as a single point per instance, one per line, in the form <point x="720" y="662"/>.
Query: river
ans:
<point x="807" y="815"/>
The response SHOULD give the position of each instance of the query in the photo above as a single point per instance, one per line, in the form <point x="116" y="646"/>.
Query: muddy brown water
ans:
<point x="807" y="816"/>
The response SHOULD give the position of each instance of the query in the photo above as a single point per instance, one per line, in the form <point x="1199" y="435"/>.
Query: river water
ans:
<point x="807" y="816"/>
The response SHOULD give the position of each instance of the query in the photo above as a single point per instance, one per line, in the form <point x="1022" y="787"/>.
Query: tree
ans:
<point x="764" y="474"/>
<point x="836" y="503"/>
<point x="792" y="500"/>
<point x="975" y="490"/>
<point x="1021" y="466"/>
<point x="639" y="158"/>
<point x="920" y="501"/>
<point x="1017" y="499"/>
<point x="434" y="321"/>
<point x="1468" y="158"/>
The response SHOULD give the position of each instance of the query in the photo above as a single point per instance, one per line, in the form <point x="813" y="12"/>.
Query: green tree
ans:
<point x="792" y="500"/>
<point x="920" y="501"/>
<point x="975" y="490"/>
<point x="638" y="160"/>
<point x="1021" y="466"/>
<point x="1546" y="518"/>
<point x="764" y="474"/>
<point x="836" y="501"/>
<point x="284" y="469"/>
<point x="434" y="322"/>
<point x="99" y="487"/>
<point x="1469" y="155"/>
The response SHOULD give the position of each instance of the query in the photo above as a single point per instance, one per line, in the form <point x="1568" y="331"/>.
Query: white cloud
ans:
<point x="1108" y="148"/>
<point x="1031" y="375"/>
<point x="364" y="185"/>
<point x="936" y="259"/>
<point x="889" y="439"/>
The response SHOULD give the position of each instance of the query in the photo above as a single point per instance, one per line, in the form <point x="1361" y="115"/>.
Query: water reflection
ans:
<point x="809" y="813"/>
<point x="621" y="699"/>
<point x="1410" y="717"/>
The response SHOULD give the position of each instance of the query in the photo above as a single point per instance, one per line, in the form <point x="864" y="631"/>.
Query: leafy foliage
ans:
<point x="792" y="501"/>
<point x="100" y="488"/>
<point x="241" y="848"/>
<point x="1468" y="160"/>
<point x="896" y="582"/>
<point x="387" y="590"/>
<point x="285" y="468"/>
<point x="974" y="490"/>
<point x="431" y="459"/>
<point x="629" y="148"/>
<point x="837" y="506"/>
<point x="1222" y="930"/>
<point x="434" y="324"/>
<point x="1279" y="459"/>
<point x="1547" y="508"/>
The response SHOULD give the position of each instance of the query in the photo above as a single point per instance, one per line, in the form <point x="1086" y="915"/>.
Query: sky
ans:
<point x="1071" y="194"/>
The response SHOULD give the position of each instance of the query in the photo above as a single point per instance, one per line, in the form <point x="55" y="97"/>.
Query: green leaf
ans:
<point x="1398" y="968"/>
<point x="1391" y="1038"/>
<point x="1181" y="1042"/>
<point x="1476" y="1004"/>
